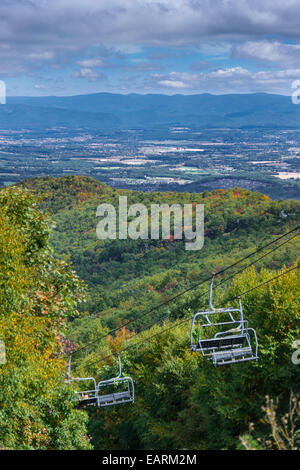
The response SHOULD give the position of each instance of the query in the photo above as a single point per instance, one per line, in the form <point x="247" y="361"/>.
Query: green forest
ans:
<point x="65" y="292"/>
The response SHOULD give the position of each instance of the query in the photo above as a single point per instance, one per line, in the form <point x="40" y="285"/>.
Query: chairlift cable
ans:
<point x="194" y="286"/>
<point x="182" y="321"/>
<point x="224" y="280"/>
<point x="266" y="282"/>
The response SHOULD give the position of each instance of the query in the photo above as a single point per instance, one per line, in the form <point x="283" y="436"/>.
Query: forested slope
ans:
<point x="126" y="277"/>
<point x="182" y="401"/>
<point x="37" y="294"/>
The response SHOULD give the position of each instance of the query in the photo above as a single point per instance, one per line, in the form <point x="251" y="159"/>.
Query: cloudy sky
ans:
<point x="65" y="47"/>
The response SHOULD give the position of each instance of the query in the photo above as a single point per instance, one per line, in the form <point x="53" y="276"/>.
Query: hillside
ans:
<point x="146" y="272"/>
<point x="182" y="401"/>
<point x="114" y="111"/>
<point x="37" y="295"/>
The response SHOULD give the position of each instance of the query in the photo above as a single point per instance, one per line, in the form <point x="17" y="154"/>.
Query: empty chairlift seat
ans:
<point x="115" y="391"/>
<point x="223" y="342"/>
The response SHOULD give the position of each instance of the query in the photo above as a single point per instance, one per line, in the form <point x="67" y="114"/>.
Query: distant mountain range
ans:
<point x="116" y="111"/>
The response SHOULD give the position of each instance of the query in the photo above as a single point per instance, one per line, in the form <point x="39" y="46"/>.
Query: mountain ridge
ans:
<point x="115" y="111"/>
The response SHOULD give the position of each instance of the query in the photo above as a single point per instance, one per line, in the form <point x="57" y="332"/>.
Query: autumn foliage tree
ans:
<point x="37" y="294"/>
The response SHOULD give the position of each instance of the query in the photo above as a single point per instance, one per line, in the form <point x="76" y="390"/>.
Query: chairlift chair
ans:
<point x="233" y="341"/>
<point x="115" y="391"/>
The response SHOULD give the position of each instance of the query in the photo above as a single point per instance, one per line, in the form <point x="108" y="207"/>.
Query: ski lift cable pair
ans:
<point x="202" y="282"/>
<point x="234" y="275"/>
<point x="266" y="282"/>
<point x="226" y="347"/>
<point x="220" y="283"/>
<point x="182" y="321"/>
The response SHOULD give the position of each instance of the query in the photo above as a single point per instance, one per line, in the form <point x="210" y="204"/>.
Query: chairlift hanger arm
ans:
<point x="211" y="293"/>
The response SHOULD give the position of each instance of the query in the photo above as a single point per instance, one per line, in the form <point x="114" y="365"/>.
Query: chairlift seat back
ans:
<point x="114" y="398"/>
<point x="123" y="394"/>
<point x="221" y="342"/>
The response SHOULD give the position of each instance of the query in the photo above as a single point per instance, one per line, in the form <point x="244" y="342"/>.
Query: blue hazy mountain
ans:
<point x="114" y="111"/>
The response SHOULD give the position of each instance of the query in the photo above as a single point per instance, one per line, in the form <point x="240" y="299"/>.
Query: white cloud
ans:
<point x="230" y="72"/>
<point x="40" y="86"/>
<point x="88" y="74"/>
<point x="55" y="33"/>
<point x="90" y="63"/>
<point x="172" y="83"/>
<point x="129" y="24"/>
<point x="228" y="80"/>
<point x="270" y="51"/>
<point x="46" y="55"/>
